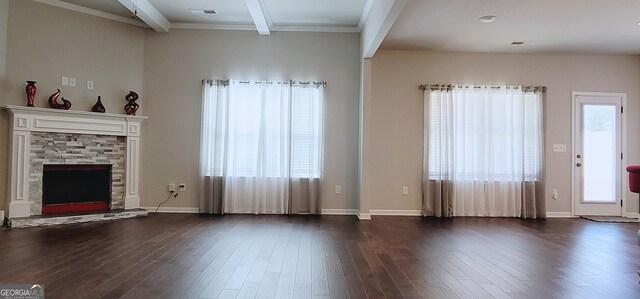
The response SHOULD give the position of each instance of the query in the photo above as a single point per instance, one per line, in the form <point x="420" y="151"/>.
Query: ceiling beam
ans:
<point x="93" y="12"/>
<point x="382" y="14"/>
<point x="365" y="14"/>
<point x="256" y="9"/>
<point x="148" y="14"/>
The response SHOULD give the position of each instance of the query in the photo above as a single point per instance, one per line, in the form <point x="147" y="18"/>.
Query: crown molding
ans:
<point x="93" y="12"/>
<point x="250" y="27"/>
<point x="335" y="29"/>
<point x="281" y="28"/>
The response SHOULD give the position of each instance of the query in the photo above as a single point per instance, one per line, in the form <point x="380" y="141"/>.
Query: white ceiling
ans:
<point x="559" y="26"/>
<point x="282" y="13"/>
<point x="110" y="6"/>
<point x="229" y="12"/>
<point x="324" y="12"/>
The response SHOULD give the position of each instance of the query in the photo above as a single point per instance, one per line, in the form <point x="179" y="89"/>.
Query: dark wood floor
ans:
<point x="236" y="256"/>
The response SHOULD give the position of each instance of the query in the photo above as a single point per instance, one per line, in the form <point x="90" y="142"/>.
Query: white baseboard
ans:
<point x="339" y="212"/>
<point x="367" y="216"/>
<point x="181" y="210"/>
<point x="568" y="215"/>
<point x="351" y="212"/>
<point x="560" y="215"/>
<point x="381" y="212"/>
<point x="363" y="216"/>
<point x="634" y="215"/>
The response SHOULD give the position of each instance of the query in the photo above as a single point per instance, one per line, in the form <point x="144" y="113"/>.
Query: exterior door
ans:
<point x="598" y="154"/>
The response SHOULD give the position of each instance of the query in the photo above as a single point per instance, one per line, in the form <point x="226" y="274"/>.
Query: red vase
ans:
<point x="31" y="92"/>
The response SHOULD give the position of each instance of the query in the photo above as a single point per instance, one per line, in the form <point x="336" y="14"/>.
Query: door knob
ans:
<point x="578" y="164"/>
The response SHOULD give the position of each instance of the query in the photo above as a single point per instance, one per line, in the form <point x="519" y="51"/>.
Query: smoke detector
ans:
<point x="203" y="11"/>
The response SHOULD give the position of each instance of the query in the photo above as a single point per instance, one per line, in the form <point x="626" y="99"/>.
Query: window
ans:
<point x="484" y="134"/>
<point x="263" y="129"/>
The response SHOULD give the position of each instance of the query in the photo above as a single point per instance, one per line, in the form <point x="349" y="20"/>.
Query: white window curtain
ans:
<point x="483" y="151"/>
<point x="261" y="148"/>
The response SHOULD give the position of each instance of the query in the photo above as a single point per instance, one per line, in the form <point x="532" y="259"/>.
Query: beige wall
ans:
<point x="169" y="66"/>
<point x="396" y="123"/>
<point x="177" y="61"/>
<point x="46" y="42"/>
<point x="4" y="19"/>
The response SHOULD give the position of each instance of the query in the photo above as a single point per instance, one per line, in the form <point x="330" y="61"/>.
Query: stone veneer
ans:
<point x="62" y="148"/>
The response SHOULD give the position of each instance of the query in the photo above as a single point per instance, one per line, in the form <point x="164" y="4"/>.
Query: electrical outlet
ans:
<point x="172" y="187"/>
<point x="182" y="187"/>
<point x="405" y="190"/>
<point x="338" y="189"/>
<point x="72" y="81"/>
<point x="89" y="84"/>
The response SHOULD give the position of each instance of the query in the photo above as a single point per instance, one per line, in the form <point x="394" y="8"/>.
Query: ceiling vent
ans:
<point x="517" y="43"/>
<point x="203" y="12"/>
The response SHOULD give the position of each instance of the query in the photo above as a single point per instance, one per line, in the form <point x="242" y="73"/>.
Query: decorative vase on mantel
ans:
<point x="131" y="107"/>
<point x="98" y="107"/>
<point x="31" y="92"/>
<point x="53" y="102"/>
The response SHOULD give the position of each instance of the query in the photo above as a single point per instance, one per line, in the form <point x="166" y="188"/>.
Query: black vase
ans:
<point x="98" y="107"/>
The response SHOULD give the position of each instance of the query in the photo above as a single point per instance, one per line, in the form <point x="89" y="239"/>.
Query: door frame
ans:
<point x="623" y="149"/>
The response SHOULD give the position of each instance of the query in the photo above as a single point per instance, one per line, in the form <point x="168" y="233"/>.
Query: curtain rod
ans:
<point x="449" y="86"/>
<point x="226" y="82"/>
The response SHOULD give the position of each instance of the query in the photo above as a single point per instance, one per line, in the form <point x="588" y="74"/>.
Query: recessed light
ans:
<point x="638" y="23"/>
<point x="203" y="11"/>
<point x="487" y="19"/>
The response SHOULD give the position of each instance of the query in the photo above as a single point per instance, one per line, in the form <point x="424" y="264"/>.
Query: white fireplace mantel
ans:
<point x="24" y="120"/>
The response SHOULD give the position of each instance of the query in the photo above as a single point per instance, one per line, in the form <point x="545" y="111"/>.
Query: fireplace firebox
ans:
<point x="77" y="188"/>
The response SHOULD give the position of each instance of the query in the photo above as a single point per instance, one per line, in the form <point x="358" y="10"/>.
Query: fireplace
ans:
<point x="75" y="188"/>
<point x="41" y="136"/>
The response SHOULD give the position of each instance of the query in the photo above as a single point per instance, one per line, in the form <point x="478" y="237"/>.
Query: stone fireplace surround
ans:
<point x="64" y="148"/>
<point x="47" y="136"/>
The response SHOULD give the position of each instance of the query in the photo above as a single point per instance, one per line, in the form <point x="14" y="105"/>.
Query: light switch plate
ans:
<point x="405" y="190"/>
<point x="65" y="81"/>
<point x="338" y="189"/>
<point x="560" y="148"/>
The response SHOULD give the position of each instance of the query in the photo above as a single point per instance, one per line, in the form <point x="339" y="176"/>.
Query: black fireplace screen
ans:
<point x="70" y="184"/>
